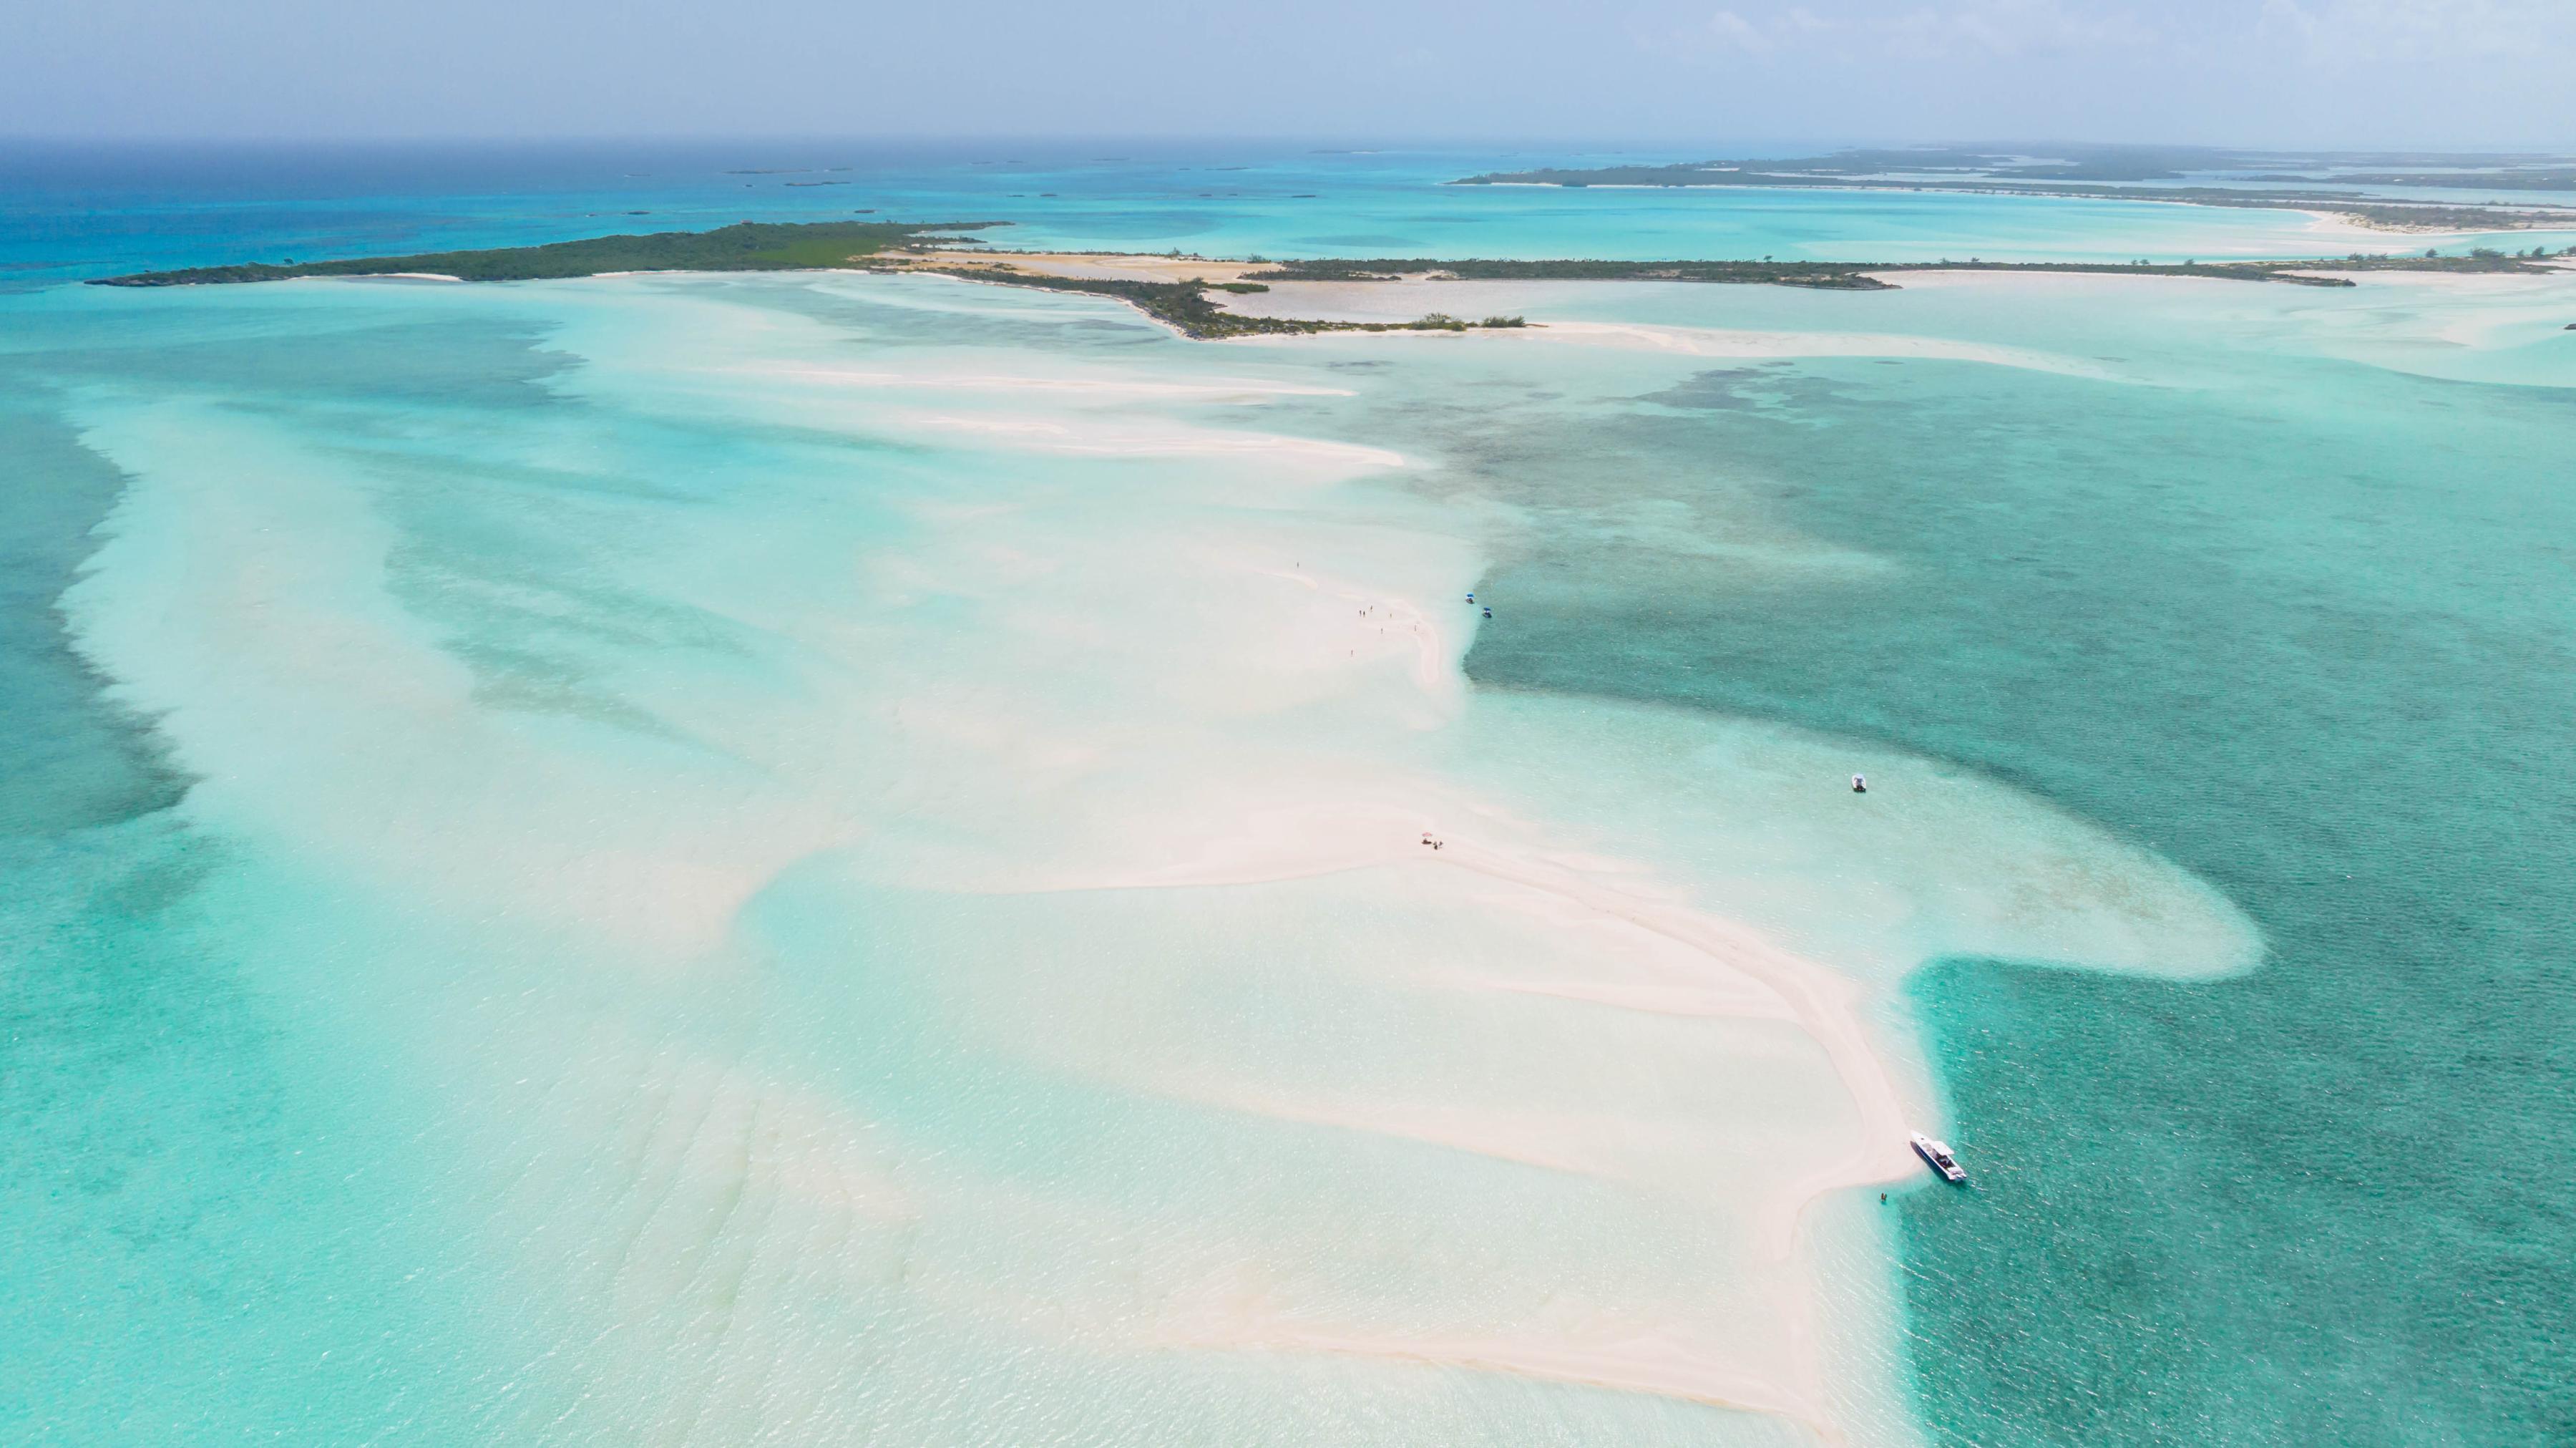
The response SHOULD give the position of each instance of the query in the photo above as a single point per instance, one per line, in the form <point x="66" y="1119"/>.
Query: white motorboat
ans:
<point x="1936" y="1155"/>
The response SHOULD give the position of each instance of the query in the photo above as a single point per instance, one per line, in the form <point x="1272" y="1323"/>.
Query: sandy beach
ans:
<point x="1090" y="266"/>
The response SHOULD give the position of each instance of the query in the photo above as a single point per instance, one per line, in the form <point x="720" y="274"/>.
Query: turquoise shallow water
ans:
<point x="532" y="921"/>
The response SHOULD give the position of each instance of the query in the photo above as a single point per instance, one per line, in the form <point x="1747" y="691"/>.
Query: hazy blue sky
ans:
<point x="2311" y="72"/>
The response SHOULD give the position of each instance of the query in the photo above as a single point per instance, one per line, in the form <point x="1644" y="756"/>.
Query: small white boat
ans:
<point x="1936" y="1155"/>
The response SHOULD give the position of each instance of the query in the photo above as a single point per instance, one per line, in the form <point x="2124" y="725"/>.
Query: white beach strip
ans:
<point x="1093" y="266"/>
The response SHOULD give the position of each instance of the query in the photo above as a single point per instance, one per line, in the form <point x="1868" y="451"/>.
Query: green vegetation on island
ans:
<point x="744" y="246"/>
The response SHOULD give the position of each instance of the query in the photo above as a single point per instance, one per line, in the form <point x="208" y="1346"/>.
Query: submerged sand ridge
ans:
<point x="956" y="892"/>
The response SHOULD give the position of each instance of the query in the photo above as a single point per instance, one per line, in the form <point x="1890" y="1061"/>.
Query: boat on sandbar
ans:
<point x="1936" y="1155"/>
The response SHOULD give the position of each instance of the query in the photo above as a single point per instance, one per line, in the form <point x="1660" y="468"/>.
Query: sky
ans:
<point x="2355" y="73"/>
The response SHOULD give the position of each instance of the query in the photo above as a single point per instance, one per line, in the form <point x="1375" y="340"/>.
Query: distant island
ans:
<point x="2123" y="173"/>
<point x="1176" y="290"/>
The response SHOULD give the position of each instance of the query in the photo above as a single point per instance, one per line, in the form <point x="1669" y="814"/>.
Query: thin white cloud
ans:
<point x="2006" y="28"/>
<point x="2015" y="28"/>
<point x="2371" y="32"/>
<point x="2350" y="73"/>
<point x="1730" y="31"/>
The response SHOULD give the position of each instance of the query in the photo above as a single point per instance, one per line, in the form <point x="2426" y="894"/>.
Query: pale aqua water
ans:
<point x="540" y="910"/>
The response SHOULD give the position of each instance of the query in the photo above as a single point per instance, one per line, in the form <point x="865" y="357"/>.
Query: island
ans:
<point x="743" y="246"/>
<point x="1179" y="302"/>
<point x="2256" y="180"/>
<point x="1176" y="290"/>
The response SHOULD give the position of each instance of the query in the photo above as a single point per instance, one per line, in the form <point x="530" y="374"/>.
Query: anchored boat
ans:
<point x="1936" y="1155"/>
